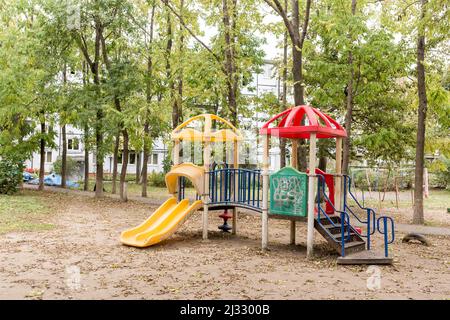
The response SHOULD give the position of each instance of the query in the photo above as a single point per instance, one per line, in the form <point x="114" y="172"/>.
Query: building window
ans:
<point x="155" y="158"/>
<point x="268" y="72"/>
<point x="73" y="144"/>
<point x="132" y="158"/>
<point x="48" y="156"/>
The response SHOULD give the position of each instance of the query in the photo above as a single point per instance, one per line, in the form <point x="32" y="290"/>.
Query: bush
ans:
<point x="72" y="167"/>
<point x="440" y="174"/>
<point x="157" y="179"/>
<point x="167" y="164"/>
<point x="10" y="176"/>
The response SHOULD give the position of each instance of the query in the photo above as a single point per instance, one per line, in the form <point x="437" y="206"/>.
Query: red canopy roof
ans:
<point x="290" y="124"/>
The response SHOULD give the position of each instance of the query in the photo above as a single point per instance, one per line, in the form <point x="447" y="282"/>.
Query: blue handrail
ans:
<point x="385" y="232"/>
<point x="371" y="215"/>
<point x="345" y="218"/>
<point x="319" y="207"/>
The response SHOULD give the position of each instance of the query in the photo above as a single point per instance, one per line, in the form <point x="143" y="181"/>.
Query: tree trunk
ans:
<point x="180" y="71"/>
<point x="323" y="163"/>
<point x="149" y="96"/>
<point x="86" y="132"/>
<point x="418" y="217"/>
<point x="171" y="83"/>
<point x="86" y="158"/>
<point x="177" y="101"/>
<point x="99" y="117"/>
<point x="138" y="167"/>
<point x="349" y="112"/>
<point x="94" y="67"/>
<point x="297" y="72"/>
<point x="123" y="172"/>
<point x="115" y="160"/>
<point x="230" y="66"/>
<point x="145" y="159"/>
<point x="64" y="141"/>
<point x="284" y="96"/>
<point x="298" y="40"/>
<point x="99" y="155"/>
<point x="42" y="156"/>
<point x="64" y="157"/>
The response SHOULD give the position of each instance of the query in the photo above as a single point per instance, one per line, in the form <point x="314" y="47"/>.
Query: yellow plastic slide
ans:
<point x="161" y="224"/>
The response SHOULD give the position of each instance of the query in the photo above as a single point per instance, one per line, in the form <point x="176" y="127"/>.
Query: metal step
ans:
<point x="336" y="228"/>
<point x="353" y="237"/>
<point x="354" y="244"/>
<point x="325" y="221"/>
<point x="332" y="233"/>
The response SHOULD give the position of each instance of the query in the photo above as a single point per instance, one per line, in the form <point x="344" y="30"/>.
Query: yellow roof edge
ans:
<point x="177" y="133"/>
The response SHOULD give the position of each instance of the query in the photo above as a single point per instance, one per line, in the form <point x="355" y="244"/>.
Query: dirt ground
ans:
<point x="44" y="265"/>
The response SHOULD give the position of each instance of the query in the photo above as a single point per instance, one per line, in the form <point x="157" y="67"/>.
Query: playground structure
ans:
<point x="285" y="194"/>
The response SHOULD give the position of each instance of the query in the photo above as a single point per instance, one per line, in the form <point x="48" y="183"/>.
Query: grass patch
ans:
<point x="24" y="211"/>
<point x="438" y="199"/>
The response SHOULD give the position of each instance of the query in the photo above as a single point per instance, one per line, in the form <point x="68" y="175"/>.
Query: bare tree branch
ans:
<point x="276" y="5"/>
<point x="79" y="39"/>
<point x="305" y="22"/>
<point x="183" y="23"/>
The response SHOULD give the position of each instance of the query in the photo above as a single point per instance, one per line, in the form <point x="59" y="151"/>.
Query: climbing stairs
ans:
<point x="331" y="231"/>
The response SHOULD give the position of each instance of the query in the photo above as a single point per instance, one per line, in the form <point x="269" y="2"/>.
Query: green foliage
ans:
<point x="381" y="128"/>
<point x="157" y="179"/>
<point x="440" y="173"/>
<point x="10" y="176"/>
<point x="72" y="166"/>
<point x="129" y="177"/>
<point x="167" y="164"/>
<point x="139" y="78"/>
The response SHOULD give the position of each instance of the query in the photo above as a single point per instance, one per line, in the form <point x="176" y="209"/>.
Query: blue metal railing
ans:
<point x="370" y="217"/>
<point x="182" y="189"/>
<point x="236" y="186"/>
<point x="384" y="219"/>
<point x="370" y="214"/>
<point x="345" y="218"/>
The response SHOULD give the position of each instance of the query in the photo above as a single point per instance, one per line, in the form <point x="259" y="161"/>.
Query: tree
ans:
<point x="418" y="217"/>
<point x="149" y="93"/>
<point x="291" y="19"/>
<point x="429" y="31"/>
<point x="381" y="129"/>
<point x="232" y="55"/>
<point x="349" y="92"/>
<point x="92" y="60"/>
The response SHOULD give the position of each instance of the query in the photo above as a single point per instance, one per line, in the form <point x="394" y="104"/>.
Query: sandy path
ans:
<point x="38" y="265"/>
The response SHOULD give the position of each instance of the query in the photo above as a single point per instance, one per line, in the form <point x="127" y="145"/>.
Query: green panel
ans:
<point x="289" y="192"/>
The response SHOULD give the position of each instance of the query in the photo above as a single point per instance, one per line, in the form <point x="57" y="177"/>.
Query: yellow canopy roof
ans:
<point x="182" y="132"/>
<point x="188" y="170"/>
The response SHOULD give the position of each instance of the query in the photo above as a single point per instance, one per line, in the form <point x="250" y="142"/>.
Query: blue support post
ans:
<point x="368" y="229"/>
<point x="342" y="234"/>
<point x="386" y="251"/>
